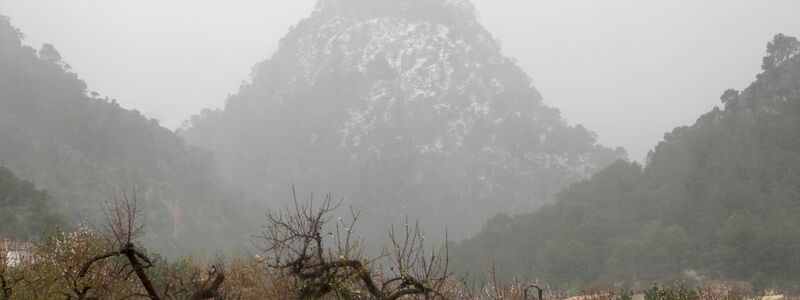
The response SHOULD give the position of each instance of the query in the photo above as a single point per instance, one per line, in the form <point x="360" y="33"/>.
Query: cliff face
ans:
<point x="404" y="108"/>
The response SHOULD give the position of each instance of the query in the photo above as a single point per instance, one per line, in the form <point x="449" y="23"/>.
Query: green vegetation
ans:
<point x="295" y="259"/>
<point x="717" y="200"/>
<point x="719" y="197"/>
<point x="83" y="149"/>
<point x="25" y="212"/>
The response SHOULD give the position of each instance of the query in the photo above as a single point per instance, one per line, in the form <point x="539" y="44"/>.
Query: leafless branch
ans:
<point x="294" y="247"/>
<point x="121" y="228"/>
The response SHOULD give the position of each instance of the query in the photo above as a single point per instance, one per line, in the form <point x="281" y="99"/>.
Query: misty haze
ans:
<point x="400" y="149"/>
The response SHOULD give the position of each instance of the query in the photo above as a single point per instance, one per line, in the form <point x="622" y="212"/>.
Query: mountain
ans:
<point x="403" y="108"/>
<point x="719" y="199"/>
<point x="85" y="150"/>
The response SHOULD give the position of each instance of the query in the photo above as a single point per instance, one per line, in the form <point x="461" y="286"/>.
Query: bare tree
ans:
<point x="514" y="289"/>
<point x="294" y="251"/>
<point x="120" y="230"/>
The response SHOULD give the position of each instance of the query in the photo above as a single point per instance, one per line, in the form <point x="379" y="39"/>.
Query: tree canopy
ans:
<point x="718" y="198"/>
<point x="85" y="150"/>
<point x="25" y="211"/>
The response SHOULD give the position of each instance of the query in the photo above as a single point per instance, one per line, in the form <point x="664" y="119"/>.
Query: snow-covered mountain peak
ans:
<point x="405" y="107"/>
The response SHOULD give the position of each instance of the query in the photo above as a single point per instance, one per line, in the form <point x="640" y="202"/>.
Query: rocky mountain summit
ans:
<point x="405" y="108"/>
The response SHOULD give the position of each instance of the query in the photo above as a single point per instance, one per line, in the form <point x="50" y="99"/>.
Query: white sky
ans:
<point x="630" y="70"/>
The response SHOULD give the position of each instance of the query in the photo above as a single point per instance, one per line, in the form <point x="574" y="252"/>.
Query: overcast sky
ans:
<point x="630" y="70"/>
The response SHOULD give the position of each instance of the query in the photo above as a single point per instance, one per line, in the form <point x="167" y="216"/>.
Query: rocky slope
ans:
<point x="404" y="108"/>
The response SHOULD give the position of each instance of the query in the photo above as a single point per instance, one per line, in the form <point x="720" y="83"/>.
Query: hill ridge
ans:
<point x="411" y="111"/>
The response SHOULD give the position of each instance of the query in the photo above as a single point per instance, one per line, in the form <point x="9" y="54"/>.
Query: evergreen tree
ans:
<point x="719" y="197"/>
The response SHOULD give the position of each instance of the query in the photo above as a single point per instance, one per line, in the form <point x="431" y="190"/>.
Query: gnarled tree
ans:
<point x="310" y="256"/>
<point x="121" y="228"/>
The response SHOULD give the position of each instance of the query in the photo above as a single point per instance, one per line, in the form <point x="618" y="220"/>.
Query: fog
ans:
<point x="376" y="149"/>
<point x="627" y="70"/>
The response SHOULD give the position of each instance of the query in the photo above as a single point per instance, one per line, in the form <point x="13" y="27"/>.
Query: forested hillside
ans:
<point x="85" y="150"/>
<point x="403" y="108"/>
<point x="26" y="212"/>
<point x="720" y="198"/>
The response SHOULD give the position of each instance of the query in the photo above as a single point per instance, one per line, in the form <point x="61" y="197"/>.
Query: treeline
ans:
<point x="716" y="200"/>
<point x="26" y="211"/>
<point x="84" y="148"/>
<point x="302" y="253"/>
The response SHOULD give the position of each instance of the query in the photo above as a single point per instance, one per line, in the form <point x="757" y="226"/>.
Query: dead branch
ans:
<point x="539" y="290"/>
<point x="121" y="228"/>
<point x="211" y="290"/>
<point x="294" y="247"/>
